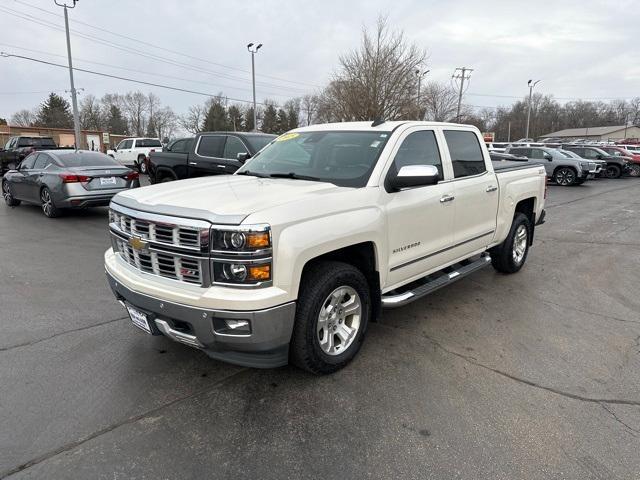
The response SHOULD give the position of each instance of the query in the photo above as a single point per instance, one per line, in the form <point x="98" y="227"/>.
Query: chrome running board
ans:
<point x="396" y="300"/>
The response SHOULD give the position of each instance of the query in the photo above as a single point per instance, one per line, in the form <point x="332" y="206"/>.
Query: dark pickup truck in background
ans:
<point x="208" y="153"/>
<point x="17" y="148"/>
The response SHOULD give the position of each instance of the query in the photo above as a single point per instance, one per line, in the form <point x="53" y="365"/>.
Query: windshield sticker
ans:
<point x="287" y="136"/>
<point x="383" y="135"/>
<point x="375" y="143"/>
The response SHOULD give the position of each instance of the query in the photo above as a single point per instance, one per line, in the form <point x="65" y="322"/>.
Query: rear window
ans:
<point x="466" y="154"/>
<point x="36" y="142"/>
<point x="148" y="142"/>
<point x="86" y="159"/>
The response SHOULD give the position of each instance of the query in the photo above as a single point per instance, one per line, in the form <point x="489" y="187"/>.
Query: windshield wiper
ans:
<point x="293" y="175"/>
<point x="252" y="174"/>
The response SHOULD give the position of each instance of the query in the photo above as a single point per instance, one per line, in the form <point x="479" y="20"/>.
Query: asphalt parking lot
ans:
<point x="534" y="375"/>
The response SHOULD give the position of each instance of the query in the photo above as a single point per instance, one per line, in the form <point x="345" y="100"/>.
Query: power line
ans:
<point x="131" y="50"/>
<point x="126" y="79"/>
<point x="167" y="49"/>
<point x="134" y="70"/>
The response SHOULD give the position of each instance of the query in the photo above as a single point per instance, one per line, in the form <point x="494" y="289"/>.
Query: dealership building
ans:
<point x="603" y="134"/>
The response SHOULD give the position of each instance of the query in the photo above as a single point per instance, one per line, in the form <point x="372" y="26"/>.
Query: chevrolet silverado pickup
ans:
<point x="290" y="258"/>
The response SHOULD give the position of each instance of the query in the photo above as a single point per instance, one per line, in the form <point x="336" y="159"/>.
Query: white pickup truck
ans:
<point x="291" y="257"/>
<point x="134" y="152"/>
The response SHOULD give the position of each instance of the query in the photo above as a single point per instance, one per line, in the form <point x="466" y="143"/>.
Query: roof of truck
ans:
<point x="382" y="127"/>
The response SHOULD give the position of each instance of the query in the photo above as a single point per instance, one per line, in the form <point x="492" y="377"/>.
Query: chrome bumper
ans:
<point x="266" y="346"/>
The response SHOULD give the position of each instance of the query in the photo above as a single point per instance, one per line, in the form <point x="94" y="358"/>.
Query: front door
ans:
<point x="476" y="192"/>
<point x="208" y="156"/>
<point x="420" y="219"/>
<point x="20" y="182"/>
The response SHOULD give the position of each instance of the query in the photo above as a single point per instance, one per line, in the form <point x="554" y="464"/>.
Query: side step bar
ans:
<point x="401" y="299"/>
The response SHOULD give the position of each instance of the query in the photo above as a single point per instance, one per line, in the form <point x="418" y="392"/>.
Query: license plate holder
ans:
<point x="139" y="319"/>
<point x="107" y="180"/>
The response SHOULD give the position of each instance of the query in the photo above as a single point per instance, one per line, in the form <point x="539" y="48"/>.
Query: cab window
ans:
<point x="419" y="148"/>
<point x="233" y="147"/>
<point x="466" y="154"/>
<point x="211" y="146"/>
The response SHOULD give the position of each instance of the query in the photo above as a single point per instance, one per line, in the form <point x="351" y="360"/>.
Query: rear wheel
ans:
<point x="635" y="170"/>
<point x="332" y="314"/>
<point x="565" y="176"/>
<point x="613" y="171"/>
<point x="510" y="255"/>
<point x="8" y="195"/>
<point x="142" y="164"/>
<point x="48" y="206"/>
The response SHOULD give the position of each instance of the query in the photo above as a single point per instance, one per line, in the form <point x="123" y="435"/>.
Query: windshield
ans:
<point x="148" y="142"/>
<point x="345" y="158"/>
<point x="86" y="159"/>
<point x="258" y="142"/>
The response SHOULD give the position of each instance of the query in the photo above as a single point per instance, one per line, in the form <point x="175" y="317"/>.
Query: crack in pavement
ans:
<point x="110" y="428"/>
<point x="531" y="383"/>
<point x="79" y="329"/>
<point x="632" y="431"/>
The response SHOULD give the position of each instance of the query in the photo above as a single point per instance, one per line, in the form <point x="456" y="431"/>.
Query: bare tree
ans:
<point x="23" y="118"/>
<point x="91" y="113"/>
<point x="309" y="107"/>
<point x="439" y="102"/>
<point x="192" y="120"/>
<point x="135" y="106"/>
<point x="375" y="81"/>
<point x="166" y="123"/>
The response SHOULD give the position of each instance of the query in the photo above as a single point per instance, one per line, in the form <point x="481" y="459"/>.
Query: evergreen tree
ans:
<point x="216" y="118"/>
<point x="270" y="119"/>
<point x="55" y="112"/>
<point x="3" y="121"/>
<point x="293" y="113"/>
<point x="248" y="120"/>
<point x="116" y="123"/>
<point x="283" y="121"/>
<point x="235" y="118"/>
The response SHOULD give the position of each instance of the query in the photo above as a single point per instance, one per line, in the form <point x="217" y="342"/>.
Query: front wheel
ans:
<point x="565" y="176"/>
<point x="613" y="171"/>
<point x="48" y="206"/>
<point x="510" y="255"/>
<point x="142" y="165"/>
<point x="8" y="195"/>
<point x="332" y="315"/>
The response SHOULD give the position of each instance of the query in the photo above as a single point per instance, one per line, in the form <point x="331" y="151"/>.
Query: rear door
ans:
<point x="476" y="192"/>
<point x="207" y="159"/>
<point x="420" y="220"/>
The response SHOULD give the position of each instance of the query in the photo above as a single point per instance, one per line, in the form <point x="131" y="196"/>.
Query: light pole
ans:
<point x="74" y="98"/>
<point x="253" y="49"/>
<point x="531" y="85"/>
<point x="420" y="74"/>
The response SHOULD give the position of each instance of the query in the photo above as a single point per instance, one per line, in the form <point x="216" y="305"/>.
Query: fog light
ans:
<point x="232" y="326"/>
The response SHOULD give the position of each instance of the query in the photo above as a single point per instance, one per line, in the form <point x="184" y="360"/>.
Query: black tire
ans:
<point x="318" y="284"/>
<point x="48" y="206"/>
<point x="8" y="195"/>
<point x="166" y="178"/>
<point x="142" y="165"/>
<point x="565" y="176"/>
<point x="635" y="170"/>
<point x="613" y="171"/>
<point x="503" y="257"/>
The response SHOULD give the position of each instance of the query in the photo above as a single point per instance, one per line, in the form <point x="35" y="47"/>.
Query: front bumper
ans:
<point x="267" y="346"/>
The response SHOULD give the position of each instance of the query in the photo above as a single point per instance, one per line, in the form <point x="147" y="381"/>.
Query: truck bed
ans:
<point x="508" y="165"/>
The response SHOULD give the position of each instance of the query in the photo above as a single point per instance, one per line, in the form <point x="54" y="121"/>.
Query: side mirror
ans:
<point x="414" y="176"/>
<point x="243" y="157"/>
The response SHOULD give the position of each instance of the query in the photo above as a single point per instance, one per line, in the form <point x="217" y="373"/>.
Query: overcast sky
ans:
<point x="579" y="49"/>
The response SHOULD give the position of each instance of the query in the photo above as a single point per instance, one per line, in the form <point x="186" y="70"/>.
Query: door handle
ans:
<point x="193" y="163"/>
<point x="491" y="188"/>
<point x="447" y="198"/>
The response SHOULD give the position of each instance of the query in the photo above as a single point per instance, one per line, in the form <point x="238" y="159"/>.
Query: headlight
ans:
<point x="584" y="164"/>
<point x="241" y="256"/>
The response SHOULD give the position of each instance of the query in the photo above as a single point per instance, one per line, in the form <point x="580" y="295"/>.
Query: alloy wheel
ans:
<point x="47" y="203"/>
<point x="565" y="176"/>
<point x="339" y="320"/>
<point x="519" y="244"/>
<point x="6" y="192"/>
<point x="635" y="170"/>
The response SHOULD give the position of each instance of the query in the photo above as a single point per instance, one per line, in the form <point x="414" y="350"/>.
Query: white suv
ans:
<point x="133" y="152"/>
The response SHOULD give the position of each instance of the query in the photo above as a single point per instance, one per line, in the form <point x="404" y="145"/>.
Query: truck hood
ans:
<point x="224" y="199"/>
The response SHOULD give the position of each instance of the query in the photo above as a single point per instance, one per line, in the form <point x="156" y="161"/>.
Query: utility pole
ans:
<point x="420" y="74"/>
<point x="462" y="74"/>
<point x="509" y="132"/>
<point x="74" y="98"/>
<point x="253" y="50"/>
<point x="531" y="85"/>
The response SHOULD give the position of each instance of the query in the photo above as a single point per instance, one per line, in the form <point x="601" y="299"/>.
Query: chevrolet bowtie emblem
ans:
<point x="138" y="243"/>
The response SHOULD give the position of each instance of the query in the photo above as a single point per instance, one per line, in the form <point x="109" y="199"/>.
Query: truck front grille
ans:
<point x="161" y="245"/>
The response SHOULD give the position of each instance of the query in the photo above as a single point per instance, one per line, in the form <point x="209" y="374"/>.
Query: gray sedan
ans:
<point x="60" y="179"/>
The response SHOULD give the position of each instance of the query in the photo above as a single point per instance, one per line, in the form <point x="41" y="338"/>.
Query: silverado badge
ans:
<point x="138" y="243"/>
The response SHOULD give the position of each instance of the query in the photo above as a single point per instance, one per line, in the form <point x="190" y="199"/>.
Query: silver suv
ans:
<point x="561" y="169"/>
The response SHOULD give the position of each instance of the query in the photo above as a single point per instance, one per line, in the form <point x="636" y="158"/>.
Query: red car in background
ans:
<point x="632" y="157"/>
